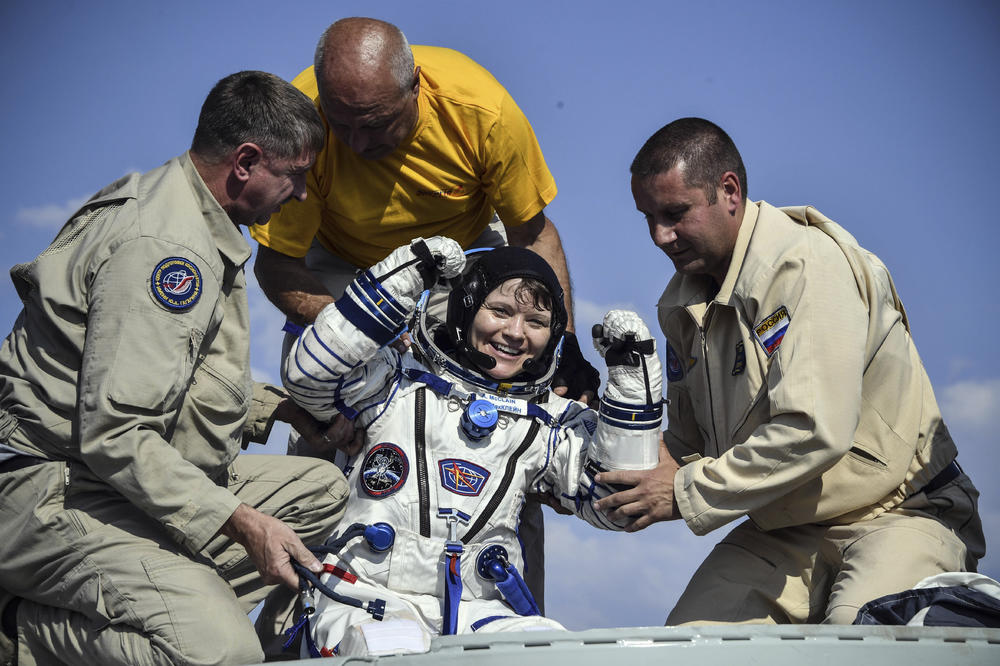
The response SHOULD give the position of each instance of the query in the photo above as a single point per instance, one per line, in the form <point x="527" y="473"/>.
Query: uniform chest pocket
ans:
<point x="153" y="360"/>
<point x="215" y="393"/>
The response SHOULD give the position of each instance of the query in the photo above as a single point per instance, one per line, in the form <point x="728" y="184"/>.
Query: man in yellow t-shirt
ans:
<point x="420" y="142"/>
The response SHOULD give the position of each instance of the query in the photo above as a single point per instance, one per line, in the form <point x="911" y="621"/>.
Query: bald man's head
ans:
<point x="368" y="85"/>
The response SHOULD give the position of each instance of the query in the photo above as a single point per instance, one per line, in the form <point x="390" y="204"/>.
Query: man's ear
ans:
<point x="731" y="191"/>
<point x="415" y="86"/>
<point x="246" y="158"/>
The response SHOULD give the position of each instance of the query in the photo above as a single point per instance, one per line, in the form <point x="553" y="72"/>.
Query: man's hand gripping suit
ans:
<point x="443" y="496"/>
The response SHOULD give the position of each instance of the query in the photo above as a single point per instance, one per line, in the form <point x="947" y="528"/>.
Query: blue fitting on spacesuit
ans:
<point x="496" y="571"/>
<point x="492" y="564"/>
<point x="480" y="418"/>
<point x="380" y="537"/>
<point x="489" y="556"/>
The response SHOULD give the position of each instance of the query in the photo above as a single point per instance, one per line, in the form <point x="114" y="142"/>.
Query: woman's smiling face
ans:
<point x="511" y="327"/>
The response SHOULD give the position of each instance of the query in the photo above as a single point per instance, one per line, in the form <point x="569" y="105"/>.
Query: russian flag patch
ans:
<point x="771" y="331"/>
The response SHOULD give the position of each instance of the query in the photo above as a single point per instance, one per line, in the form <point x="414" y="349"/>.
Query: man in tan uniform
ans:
<point x="796" y="399"/>
<point x="133" y="533"/>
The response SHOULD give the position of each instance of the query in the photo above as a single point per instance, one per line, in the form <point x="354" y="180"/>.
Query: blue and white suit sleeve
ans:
<point x="631" y="410"/>
<point x="574" y="463"/>
<point x="341" y="359"/>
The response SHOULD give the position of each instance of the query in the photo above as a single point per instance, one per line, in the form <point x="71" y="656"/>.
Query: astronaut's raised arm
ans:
<point x="343" y="358"/>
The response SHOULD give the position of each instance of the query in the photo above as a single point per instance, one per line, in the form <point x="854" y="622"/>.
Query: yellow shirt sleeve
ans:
<point x="516" y="179"/>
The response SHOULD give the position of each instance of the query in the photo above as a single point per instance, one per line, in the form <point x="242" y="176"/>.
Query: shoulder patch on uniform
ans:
<point x="176" y="283"/>
<point x="740" y="364"/>
<point x="384" y="470"/>
<point x="771" y="331"/>
<point x="462" y="477"/>
<point x="675" y="370"/>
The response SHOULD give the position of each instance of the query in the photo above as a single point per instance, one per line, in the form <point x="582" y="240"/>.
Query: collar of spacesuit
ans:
<point x="503" y="403"/>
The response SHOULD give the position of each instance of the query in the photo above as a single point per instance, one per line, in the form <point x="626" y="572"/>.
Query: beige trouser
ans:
<point x="102" y="583"/>
<point x="821" y="573"/>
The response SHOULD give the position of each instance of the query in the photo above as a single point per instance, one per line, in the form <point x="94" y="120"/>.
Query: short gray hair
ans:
<point x="261" y="108"/>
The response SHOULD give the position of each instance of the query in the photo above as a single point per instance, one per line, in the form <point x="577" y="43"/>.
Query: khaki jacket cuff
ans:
<point x="213" y="511"/>
<point x="261" y="417"/>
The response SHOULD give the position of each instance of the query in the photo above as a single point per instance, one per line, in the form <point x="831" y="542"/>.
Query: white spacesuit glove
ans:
<point x="634" y="371"/>
<point x="381" y="299"/>
<point x="410" y="269"/>
<point x="632" y="406"/>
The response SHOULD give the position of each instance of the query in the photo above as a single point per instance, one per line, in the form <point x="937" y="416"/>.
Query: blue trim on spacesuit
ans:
<point x="364" y="321"/>
<point x="631" y="425"/>
<point x="372" y="309"/>
<point x="642" y="416"/>
<point x="624" y="410"/>
<point x="381" y="297"/>
<point x="330" y="351"/>
<point x="482" y="622"/>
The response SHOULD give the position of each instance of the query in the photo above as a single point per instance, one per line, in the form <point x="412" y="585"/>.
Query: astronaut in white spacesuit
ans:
<point x="459" y="429"/>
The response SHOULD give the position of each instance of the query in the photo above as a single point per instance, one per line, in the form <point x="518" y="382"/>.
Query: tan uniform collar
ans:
<point x="227" y="236"/>
<point x="747" y="226"/>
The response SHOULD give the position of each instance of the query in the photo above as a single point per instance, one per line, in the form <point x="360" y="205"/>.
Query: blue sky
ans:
<point x="881" y="114"/>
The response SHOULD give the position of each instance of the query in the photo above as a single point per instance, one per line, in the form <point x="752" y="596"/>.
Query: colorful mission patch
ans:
<point x="176" y="283"/>
<point x="771" y="331"/>
<point x="462" y="477"/>
<point x="384" y="470"/>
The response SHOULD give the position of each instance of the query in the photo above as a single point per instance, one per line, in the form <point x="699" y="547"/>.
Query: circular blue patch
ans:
<point x="176" y="283"/>
<point x="384" y="470"/>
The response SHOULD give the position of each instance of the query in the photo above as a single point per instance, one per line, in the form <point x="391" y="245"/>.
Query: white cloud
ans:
<point x="596" y="578"/>
<point x="587" y="313"/>
<point x="972" y="404"/>
<point x="49" y="216"/>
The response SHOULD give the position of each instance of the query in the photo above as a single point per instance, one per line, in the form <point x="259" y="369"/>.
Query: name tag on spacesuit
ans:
<point x="505" y="403"/>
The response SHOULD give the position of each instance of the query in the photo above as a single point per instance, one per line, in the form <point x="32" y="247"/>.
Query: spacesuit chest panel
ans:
<point x="418" y="459"/>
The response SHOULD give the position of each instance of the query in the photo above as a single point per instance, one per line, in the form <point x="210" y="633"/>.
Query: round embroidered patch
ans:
<point x="176" y="283"/>
<point x="384" y="470"/>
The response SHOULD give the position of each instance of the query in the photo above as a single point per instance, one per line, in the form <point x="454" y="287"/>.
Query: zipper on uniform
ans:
<point x="708" y="383"/>
<point x="421" y="450"/>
